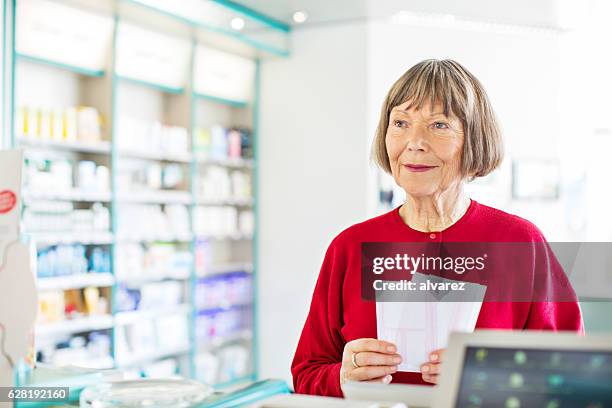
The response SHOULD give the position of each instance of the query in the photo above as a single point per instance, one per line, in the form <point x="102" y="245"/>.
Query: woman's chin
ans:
<point x="418" y="193"/>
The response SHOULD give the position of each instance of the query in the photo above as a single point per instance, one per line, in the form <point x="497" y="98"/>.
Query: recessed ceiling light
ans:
<point x="237" y="23"/>
<point x="300" y="16"/>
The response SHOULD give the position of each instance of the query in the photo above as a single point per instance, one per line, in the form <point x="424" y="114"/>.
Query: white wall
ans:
<point x="312" y="176"/>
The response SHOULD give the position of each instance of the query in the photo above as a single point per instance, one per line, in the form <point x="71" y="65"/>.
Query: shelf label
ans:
<point x="62" y="34"/>
<point x="223" y="75"/>
<point x="152" y="57"/>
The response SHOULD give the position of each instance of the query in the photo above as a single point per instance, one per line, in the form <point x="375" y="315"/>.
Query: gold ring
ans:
<point x="353" y="358"/>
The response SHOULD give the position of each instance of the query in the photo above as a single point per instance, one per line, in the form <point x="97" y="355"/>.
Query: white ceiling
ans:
<point x="528" y="12"/>
<point x="318" y="10"/>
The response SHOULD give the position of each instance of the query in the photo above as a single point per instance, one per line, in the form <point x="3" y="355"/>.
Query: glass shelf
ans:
<point x="158" y="87"/>
<point x="224" y="101"/>
<point x="60" y="65"/>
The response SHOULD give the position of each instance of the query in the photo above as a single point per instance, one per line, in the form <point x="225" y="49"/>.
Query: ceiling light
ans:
<point x="237" y="23"/>
<point x="300" y="16"/>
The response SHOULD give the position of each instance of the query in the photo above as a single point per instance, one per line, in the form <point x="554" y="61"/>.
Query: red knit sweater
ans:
<point x="338" y="314"/>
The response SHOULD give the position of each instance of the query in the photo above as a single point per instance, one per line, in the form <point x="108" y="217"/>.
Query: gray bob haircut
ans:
<point x="448" y="83"/>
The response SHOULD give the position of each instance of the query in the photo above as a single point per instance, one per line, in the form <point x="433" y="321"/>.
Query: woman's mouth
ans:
<point x="418" y="168"/>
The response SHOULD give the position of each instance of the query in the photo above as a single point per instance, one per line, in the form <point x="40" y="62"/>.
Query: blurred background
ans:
<point x="188" y="163"/>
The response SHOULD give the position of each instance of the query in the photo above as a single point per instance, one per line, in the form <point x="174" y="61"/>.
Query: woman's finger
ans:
<point x="436" y="355"/>
<point x="384" y="380"/>
<point x="430" y="368"/>
<point x="370" y="372"/>
<point x="369" y="358"/>
<point x="430" y="378"/>
<point x="374" y="345"/>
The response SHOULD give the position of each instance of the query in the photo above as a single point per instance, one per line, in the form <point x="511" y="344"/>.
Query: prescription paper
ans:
<point x="419" y="327"/>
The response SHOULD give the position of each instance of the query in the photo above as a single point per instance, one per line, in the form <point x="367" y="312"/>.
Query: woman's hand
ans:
<point x="431" y="370"/>
<point x="369" y="360"/>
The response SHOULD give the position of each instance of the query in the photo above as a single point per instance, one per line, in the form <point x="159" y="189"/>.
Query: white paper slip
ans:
<point x="420" y="327"/>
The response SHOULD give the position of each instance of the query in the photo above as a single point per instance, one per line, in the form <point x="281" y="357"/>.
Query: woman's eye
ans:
<point x="441" y="125"/>
<point x="398" y="123"/>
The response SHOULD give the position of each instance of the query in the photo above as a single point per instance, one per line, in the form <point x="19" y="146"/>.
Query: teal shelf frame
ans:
<point x="255" y="15"/>
<point x="238" y="8"/>
<point x="152" y="85"/>
<point x="60" y="65"/>
<point x="114" y="203"/>
<point x="193" y="168"/>
<point x="4" y="139"/>
<point x="224" y="101"/>
<point x="11" y="118"/>
<point x="249" y="395"/>
<point x="115" y="81"/>
<point x="256" y="216"/>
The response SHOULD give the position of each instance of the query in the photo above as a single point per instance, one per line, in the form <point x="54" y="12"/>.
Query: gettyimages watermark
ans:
<point x="486" y="271"/>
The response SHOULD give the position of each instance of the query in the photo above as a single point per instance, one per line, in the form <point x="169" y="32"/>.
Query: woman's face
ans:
<point x="424" y="148"/>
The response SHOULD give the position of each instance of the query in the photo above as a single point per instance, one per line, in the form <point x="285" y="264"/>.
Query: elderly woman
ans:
<point x="437" y="129"/>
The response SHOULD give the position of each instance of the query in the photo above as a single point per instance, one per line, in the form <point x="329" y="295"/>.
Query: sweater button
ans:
<point x="432" y="236"/>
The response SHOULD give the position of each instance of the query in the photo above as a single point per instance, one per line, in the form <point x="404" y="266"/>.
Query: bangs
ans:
<point x="432" y="82"/>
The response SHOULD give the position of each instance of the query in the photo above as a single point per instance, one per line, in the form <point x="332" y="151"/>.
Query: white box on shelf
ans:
<point x="55" y="32"/>
<point x="223" y="75"/>
<point x="151" y="57"/>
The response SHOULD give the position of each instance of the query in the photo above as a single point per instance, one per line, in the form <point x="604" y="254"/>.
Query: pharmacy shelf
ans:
<point x="236" y="202"/>
<point x="73" y="146"/>
<point x="57" y="238"/>
<point x="225" y="237"/>
<point x="225" y="268"/>
<point x="225" y="162"/>
<point x="139" y="281"/>
<point x="97" y="363"/>
<point x="61" y="65"/>
<point x="157" y="156"/>
<point x="224" y="306"/>
<point x="136" y="316"/>
<point x="240" y="336"/>
<point x="82" y="324"/>
<point x="150" y="238"/>
<point x="77" y="281"/>
<point x="100" y="363"/>
<point x="138" y="359"/>
<point x="156" y="197"/>
<point x="71" y="195"/>
<point x="109" y="93"/>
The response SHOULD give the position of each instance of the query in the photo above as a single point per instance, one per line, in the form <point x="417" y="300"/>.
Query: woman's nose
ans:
<point x="416" y="140"/>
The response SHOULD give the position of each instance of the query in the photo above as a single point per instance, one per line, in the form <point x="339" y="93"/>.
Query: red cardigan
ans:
<point x="338" y="314"/>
